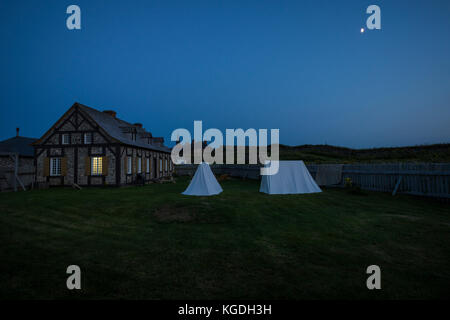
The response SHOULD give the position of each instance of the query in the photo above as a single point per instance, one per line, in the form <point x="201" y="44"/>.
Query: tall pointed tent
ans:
<point x="203" y="183"/>
<point x="292" y="177"/>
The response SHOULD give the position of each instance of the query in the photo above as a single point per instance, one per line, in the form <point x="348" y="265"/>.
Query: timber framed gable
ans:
<point x="78" y="149"/>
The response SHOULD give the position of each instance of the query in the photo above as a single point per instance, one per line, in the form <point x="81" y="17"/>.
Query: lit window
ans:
<point x="87" y="138"/>
<point x="165" y="164"/>
<point x="147" y="167"/>
<point x="96" y="166"/>
<point x="160" y="165"/>
<point x="55" y="166"/>
<point x="129" y="165"/>
<point x="139" y="165"/>
<point x="65" y="138"/>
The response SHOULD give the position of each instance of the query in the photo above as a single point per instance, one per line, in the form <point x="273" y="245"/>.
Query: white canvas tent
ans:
<point x="203" y="183"/>
<point x="292" y="177"/>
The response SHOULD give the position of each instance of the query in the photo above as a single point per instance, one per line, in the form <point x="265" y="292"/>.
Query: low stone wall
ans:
<point x="26" y="173"/>
<point x="247" y="171"/>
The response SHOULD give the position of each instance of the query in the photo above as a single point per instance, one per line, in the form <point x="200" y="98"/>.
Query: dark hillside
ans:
<point x="326" y="153"/>
<point x="437" y="153"/>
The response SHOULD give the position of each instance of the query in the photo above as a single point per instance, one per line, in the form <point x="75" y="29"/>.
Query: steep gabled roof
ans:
<point x="20" y="145"/>
<point x="114" y="128"/>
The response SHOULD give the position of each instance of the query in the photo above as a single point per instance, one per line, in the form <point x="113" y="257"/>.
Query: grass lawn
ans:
<point x="154" y="243"/>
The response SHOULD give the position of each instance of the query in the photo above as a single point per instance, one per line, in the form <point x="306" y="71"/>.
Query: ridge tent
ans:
<point x="292" y="177"/>
<point x="203" y="183"/>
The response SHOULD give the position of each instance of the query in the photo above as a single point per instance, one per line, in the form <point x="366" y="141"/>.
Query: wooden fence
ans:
<point x="424" y="179"/>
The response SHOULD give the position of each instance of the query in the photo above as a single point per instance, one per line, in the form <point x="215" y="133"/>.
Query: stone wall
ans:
<point x="248" y="171"/>
<point x="25" y="171"/>
<point x="127" y="178"/>
<point x="77" y="172"/>
<point x="70" y="153"/>
<point x="77" y="154"/>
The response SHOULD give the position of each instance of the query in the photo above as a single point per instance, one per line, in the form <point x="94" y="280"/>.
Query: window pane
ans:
<point x="55" y="166"/>
<point x="88" y="138"/>
<point x="97" y="165"/>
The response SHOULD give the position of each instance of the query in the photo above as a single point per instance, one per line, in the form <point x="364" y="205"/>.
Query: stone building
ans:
<point x="16" y="162"/>
<point x="88" y="147"/>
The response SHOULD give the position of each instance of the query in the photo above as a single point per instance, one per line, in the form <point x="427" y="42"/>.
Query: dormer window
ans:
<point x="87" y="138"/>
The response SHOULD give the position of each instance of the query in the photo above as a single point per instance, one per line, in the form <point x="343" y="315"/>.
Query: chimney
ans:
<point x="137" y="124"/>
<point x="111" y="113"/>
<point x="159" y="141"/>
<point x="17" y="132"/>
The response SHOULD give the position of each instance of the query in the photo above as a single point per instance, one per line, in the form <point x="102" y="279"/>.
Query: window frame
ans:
<point x="65" y="135"/>
<point x="53" y="161"/>
<point x="129" y="165"/>
<point x="99" y="166"/>
<point x="88" y="134"/>
<point x="139" y="165"/>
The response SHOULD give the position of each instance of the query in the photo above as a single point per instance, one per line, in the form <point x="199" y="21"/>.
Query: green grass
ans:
<point x="154" y="243"/>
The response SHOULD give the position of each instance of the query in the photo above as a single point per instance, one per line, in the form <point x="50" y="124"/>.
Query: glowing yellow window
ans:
<point x="96" y="168"/>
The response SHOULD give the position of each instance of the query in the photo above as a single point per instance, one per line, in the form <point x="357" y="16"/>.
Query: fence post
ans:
<point x="397" y="185"/>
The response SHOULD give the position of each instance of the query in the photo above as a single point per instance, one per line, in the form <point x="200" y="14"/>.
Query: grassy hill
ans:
<point x="437" y="153"/>
<point x="332" y="154"/>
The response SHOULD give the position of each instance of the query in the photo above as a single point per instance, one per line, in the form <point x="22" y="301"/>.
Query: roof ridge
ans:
<point x="112" y="126"/>
<point x="105" y="114"/>
<point x="16" y="137"/>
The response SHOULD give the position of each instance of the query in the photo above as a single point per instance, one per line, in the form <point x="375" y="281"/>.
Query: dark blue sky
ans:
<point x="300" y="66"/>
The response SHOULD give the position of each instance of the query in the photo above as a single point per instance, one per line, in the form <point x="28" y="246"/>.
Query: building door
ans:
<point x="154" y="168"/>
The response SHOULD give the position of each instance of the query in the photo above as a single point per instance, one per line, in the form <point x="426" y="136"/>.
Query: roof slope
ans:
<point x="113" y="127"/>
<point x="20" y="145"/>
